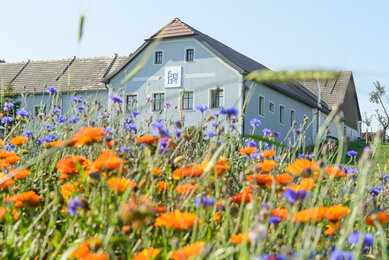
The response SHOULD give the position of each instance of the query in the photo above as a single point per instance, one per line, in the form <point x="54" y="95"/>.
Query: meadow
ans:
<point x="93" y="184"/>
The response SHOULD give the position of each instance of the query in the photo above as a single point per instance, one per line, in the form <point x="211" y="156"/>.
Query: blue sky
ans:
<point x="289" y="34"/>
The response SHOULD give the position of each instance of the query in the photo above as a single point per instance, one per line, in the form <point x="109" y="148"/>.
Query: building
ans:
<point x="186" y="68"/>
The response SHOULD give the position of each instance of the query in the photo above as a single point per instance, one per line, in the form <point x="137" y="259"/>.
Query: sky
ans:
<point x="281" y="34"/>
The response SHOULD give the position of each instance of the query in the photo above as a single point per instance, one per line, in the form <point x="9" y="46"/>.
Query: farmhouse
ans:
<point x="185" y="68"/>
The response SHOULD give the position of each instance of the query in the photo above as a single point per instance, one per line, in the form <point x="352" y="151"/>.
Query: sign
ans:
<point x="173" y="77"/>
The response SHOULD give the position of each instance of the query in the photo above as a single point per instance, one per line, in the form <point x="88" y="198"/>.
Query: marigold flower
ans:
<point x="163" y="186"/>
<point x="382" y="218"/>
<point x="281" y="213"/>
<point x="306" y="184"/>
<point x="68" y="188"/>
<point x="239" y="238"/>
<point x="8" y="158"/>
<point x="188" y="252"/>
<point x="187" y="188"/>
<point x="266" y="166"/>
<point x="283" y="178"/>
<point x="177" y="220"/>
<point x="335" y="172"/>
<point x="335" y="213"/>
<point x="268" y="153"/>
<point x="157" y="171"/>
<point x="87" y="135"/>
<point x="20" y="199"/>
<point x="120" y="184"/>
<point x="19" y="140"/>
<point x="160" y="209"/>
<point x="56" y="143"/>
<point x="15" y="214"/>
<point x="147" y="254"/>
<point x="216" y="217"/>
<point x="2" y="142"/>
<point x="68" y="166"/>
<point x="95" y="256"/>
<point x="244" y="195"/>
<point x="248" y="150"/>
<point x="21" y="174"/>
<point x="300" y="166"/>
<point x="263" y="180"/>
<point x="108" y="160"/>
<point x="80" y="252"/>
<point x="315" y="214"/>
<point x="5" y="180"/>
<point x="330" y="229"/>
<point x="147" y="139"/>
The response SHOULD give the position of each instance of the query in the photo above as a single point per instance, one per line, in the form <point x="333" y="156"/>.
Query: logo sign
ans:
<point x="173" y="77"/>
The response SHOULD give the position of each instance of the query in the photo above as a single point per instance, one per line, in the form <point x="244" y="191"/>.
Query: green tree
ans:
<point x="376" y="96"/>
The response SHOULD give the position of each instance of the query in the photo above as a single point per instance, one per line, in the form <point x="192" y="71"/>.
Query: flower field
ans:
<point x="94" y="184"/>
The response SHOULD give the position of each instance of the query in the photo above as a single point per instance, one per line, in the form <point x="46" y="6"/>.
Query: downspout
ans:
<point x="243" y="100"/>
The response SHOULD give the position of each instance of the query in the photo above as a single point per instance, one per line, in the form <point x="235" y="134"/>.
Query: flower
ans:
<point x="68" y="188"/>
<point x="335" y="213"/>
<point x="341" y="255"/>
<point x="20" y="174"/>
<point x="185" y="189"/>
<point x="108" y="160"/>
<point x="283" y="178"/>
<point x="248" y="150"/>
<point x="116" y="99"/>
<point x="335" y="172"/>
<point x="147" y="254"/>
<point x="294" y="196"/>
<point x="239" y="238"/>
<point x="6" y="182"/>
<point x="382" y="217"/>
<point x="19" y="140"/>
<point x="51" y="90"/>
<point x="177" y="220"/>
<point x="69" y="166"/>
<point x="304" y="167"/>
<point x="315" y="214"/>
<point x="21" y="199"/>
<point x="255" y="122"/>
<point x="201" y="108"/>
<point x="274" y="220"/>
<point x="22" y="113"/>
<point x="188" y="252"/>
<point x="353" y="238"/>
<point x="205" y="201"/>
<point x="272" y="257"/>
<point x="157" y="171"/>
<point x="159" y="129"/>
<point x="281" y="213"/>
<point x="131" y="127"/>
<point x="266" y="166"/>
<point x="87" y="135"/>
<point x="352" y="153"/>
<point x="8" y="158"/>
<point x="8" y="106"/>
<point x="146" y="139"/>
<point x="73" y="206"/>
<point x="263" y="180"/>
<point x="245" y="196"/>
<point x="6" y="119"/>
<point x="120" y="184"/>
<point x="229" y="112"/>
<point x="74" y="119"/>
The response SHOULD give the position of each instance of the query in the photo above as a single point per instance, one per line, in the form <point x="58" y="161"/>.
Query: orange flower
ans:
<point x="80" y="252"/>
<point x="335" y="213"/>
<point x="382" y="217"/>
<point x="306" y="184"/>
<point x="147" y="139"/>
<point x="335" y="172"/>
<point x="163" y="186"/>
<point x="15" y="214"/>
<point x="177" y="220"/>
<point x="26" y="197"/>
<point x="2" y="141"/>
<point x="120" y="184"/>
<point x="19" y="140"/>
<point x="266" y="166"/>
<point x="244" y="195"/>
<point x="21" y="174"/>
<point x="95" y="256"/>
<point x="87" y="135"/>
<point x="268" y="153"/>
<point x="281" y="213"/>
<point x="187" y="188"/>
<point x="160" y="209"/>
<point x="222" y="166"/>
<point x="108" y="160"/>
<point x="283" y="178"/>
<point x="68" y="166"/>
<point x="5" y="180"/>
<point x="8" y="158"/>
<point x="187" y="172"/>
<point x="300" y="166"/>
<point x="239" y="238"/>
<point x="157" y="171"/>
<point x="188" y="252"/>
<point x="330" y="229"/>
<point x="84" y="250"/>
<point x="68" y="188"/>
<point x="56" y="143"/>
<point x="147" y="254"/>
<point x="263" y="180"/>
<point x="315" y="214"/>
<point x="248" y="150"/>
<point x="217" y="217"/>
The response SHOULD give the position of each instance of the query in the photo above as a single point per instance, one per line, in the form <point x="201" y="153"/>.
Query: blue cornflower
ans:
<point x="51" y="90"/>
<point x="167" y="104"/>
<point x="131" y="127"/>
<point x="124" y="148"/>
<point x="274" y="219"/>
<point x="375" y="191"/>
<point x="6" y="119"/>
<point x="80" y="108"/>
<point x="129" y="119"/>
<point x="352" y="153"/>
<point x="22" y="113"/>
<point x="47" y="126"/>
<point x="229" y="112"/>
<point x="293" y="196"/>
<point x="277" y="134"/>
<point x="116" y="99"/>
<point x="8" y="106"/>
<point x="73" y="205"/>
<point x="178" y="132"/>
<point x="27" y="133"/>
<point x="353" y="238"/>
<point x="252" y="143"/>
<point x="77" y="99"/>
<point x="211" y="134"/>
<point x="60" y="119"/>
<point x="341" y="255"/>
<point x="201" y="108"/>
<point x="134" y="113"/>
<point x="255" y="122"/>
<point x="266" y="131"/>
<point x="206" y="202"/>
<point x="159" y="129"/>
<point x="55" y="111"/>
<point x="74" y="119"/>
<point x="271" y="257"/>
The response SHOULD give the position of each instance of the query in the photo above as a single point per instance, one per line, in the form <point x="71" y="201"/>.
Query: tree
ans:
<point x="376" y="97"/>
<point x="367" y="121"/>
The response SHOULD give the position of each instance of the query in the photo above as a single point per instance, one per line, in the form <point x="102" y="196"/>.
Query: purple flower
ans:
<point x="274" y="219"/>
<point x="201" y="108"/>
<point x="51" y="90"/>
<point x="116" y="99"/>
<point x="73" y="206"/>
<point x="81" y="108"/>
<point x="211" y="134"/>
<point x="229" y="112"/>
<point x="352" y="153"/>
<point x="124" y="149"/>
<point x="178" y="132"/>
<point x="27" y="133"/>
<point x="353" y="238"/>
<point x="6" y="119"/>
<point x="60" y="119"/>
<point x="252" y="143"/>
<point x="131" y="127"/>
<point x="272" y="257"/>
<point x="277" y="134"/>
<point x="134" y="113"/>
<point x="77" y="99"/>
<point x="23" y="113"/>
<point x="255" y="122"/>
<point x="8" y="106"/>
<point x="293" y="196"/>
<point x="167" y="104"/>
<point x="206" y="202"/>
<point x="159" y="129"/>
<point x="74" y="119"/>
<point x="341" y="255"/>
<point x="266" y="131"/>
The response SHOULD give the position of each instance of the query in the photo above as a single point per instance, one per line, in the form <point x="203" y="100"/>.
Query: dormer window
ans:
<point x="189" y="55"/>
<point x="158" y="57"/>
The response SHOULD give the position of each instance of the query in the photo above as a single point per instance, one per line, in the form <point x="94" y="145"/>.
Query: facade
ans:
<point x="185" y="68"/>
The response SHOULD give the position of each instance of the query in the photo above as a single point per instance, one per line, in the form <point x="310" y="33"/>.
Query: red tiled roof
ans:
<point x="173" y="29"/>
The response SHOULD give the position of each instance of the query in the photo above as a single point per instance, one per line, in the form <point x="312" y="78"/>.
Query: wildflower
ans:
<point x="160" y="209"/>
<point x="274" y="220"/>
<point x="177" y="220"/>
<point x="382" y="217"/>
<point x="55" y="111"/>
<point x="281" y="213"/>
<point x="68" y="188"/>
<point x="341" y="255"/>
<point x="248" y="150"/>
<point x="69" y="166"/>
<point x="147" y="254"/>
<point x="77" y="99"/>
<point x="294" y="196"/>
<point x="84" y="250"/>
<point x="8" y="158"/>
<point x="353" y="238"/>
<point x="80" y="108"/>
<point x="263" y="180"/>
<point x="20" y="174"/>
<point x="157" y="171"/>
<point x="216" y="217"/>
<point x="272" y="257"/>
<point x="188" y="252"/>
<point x="5" y="181"/>
<point x="304" y="167"/>
<point x="268" y="153"/>
<point x="51" y="90"/>
<point x="73" y="206"/>
<point x="352" y="153"/>
<point x="131" y="127"/>
<point x="283" y="178"/>
<point x="108" y="160"/>
<point x="185" y="189"/>
<point x="6" y="119"/>
<point x="27" y="133"/>
<point x="245" y="196"/>
<point x="22" y="113"/>
<point x="239" y="238"/>
<point x="8" y="106"/>
<point x="335" y="213"/>
<point x="74" y="119"/>
<point x="315" y="214"/>
<point x="255" y="122"/>
<point x="335" y="172"/>
<point x="21" y="199"/>
<point x="167" y="104"/>
<point x="211" y="134"/>
<point x="116" y="99"/>
<point x="2" y="142"/>
<point x="146" y="139"/>
<point x="56" y="143"/>
<point x="201" y="108"/>
<point x="266" y="131"/>
<point x="120" y="184"/>
<point x="163" y="186"/>
<point x="159" y="129"/>
<point x="19" y="140"/>
<point x="229" y="112"/>
<point x="266" y="166"/>
<point x="277" y="134"/>
<point x="14" y="213"/>
<point x="87" y="135"/>
<point x="205" y="201"/>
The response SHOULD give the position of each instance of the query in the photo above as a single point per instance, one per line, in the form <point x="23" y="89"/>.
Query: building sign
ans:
<point x="173" y="77"/>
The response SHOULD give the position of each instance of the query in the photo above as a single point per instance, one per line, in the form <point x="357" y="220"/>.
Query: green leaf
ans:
<point x="265" y="76"/>
<point x="263" y="139"/>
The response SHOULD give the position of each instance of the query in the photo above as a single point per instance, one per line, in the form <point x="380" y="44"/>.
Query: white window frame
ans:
<point x="180" y="100"/>
<point x="152" y="103"/>
<point x="274" y="106"/>
<point x="137" y="101"/>
<point x="210" y="98"/>
<point x="294" y="116"/>
<point x="154" y="57"/>
<point x="194" y="51"/>
<point x="282" y="122"/>
<point x="263" y="105"/>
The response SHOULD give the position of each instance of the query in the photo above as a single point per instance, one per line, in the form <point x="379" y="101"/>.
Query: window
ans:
<point x="132" y="102"/>
<point x="158" y="57"/>
<point x="189" y="55"/>
<point x="39" y="109"/>
<point x="159" y="100"/>
<point x="271" y="106"/>
<point x="216" y="98"/>
<point x="261" y="106"/>
<point x="292" y="117"/>
<point x="187" y="100"/>
<point x="282" y="112"/>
